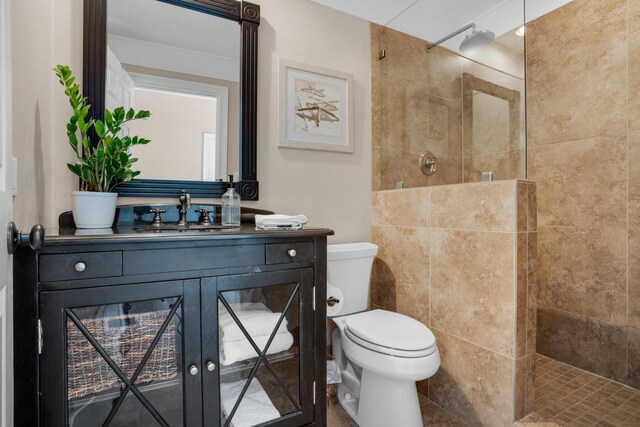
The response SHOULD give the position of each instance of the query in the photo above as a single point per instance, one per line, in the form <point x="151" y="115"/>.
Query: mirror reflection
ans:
<point x="184" y="67"/>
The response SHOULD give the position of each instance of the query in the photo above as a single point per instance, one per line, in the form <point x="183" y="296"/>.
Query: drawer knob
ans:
<point x="193" y="370"/>
<point x="292" y="253"/>
<point x="211" y="366"/>
<point x="80" y="267"/>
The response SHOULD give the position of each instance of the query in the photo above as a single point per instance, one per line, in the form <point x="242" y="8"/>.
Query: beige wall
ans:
<point x="233" y="129"/>
<point x="41" y="38"/>
<point x="583" y="80"/>
<point x="175" y="129"/>
<point x="459" y="259"/>
<point x="332" y="189"/>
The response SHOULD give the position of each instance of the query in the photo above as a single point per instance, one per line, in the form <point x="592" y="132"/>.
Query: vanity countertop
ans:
<point x="132" y="234"/>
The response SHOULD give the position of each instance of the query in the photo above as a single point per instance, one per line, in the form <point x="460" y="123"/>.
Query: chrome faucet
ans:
<point x="185" y="203"/>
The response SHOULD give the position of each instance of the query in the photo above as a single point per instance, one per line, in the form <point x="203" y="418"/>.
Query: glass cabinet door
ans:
<point x="259" y="328"/>
<point x="117" y="356"/>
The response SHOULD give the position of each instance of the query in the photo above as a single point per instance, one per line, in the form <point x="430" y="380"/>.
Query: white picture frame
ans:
<point x="315" y="108"/>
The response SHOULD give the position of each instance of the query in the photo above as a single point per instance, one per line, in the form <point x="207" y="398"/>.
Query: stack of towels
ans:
<point x="280" y="222"/>
<point x="255" y="407"/>
<point x="259" y="322"/>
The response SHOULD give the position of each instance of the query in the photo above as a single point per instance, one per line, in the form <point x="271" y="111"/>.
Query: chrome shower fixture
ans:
<point x="477" y="38"/>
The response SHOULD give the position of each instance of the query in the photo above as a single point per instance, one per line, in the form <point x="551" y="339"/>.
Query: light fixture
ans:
<point x="520" y="31"/>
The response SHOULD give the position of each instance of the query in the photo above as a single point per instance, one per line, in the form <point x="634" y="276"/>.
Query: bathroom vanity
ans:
<point x="146" y="328"/>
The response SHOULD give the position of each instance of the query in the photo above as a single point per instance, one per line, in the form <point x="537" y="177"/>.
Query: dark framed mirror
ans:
<point x="194" y="65"/>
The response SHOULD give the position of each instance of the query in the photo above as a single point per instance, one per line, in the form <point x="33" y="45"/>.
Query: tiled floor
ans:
<point x="432" y="415"/>
<point x="565" y="396"/>
<point x="568" y="396"/>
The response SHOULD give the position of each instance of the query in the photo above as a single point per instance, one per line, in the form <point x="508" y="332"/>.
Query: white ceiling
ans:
<point x="167" y="25"/>
<point x="433" y="19"/>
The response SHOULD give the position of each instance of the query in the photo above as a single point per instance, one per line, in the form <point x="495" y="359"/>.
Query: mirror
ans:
<point x="194" y="66"/>
<point x="184" y="67"/>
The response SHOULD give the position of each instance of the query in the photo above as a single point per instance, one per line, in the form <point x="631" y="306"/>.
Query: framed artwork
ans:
<point x="315" y="108"/>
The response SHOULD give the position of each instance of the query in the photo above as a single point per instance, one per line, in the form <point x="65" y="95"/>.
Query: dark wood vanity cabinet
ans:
<point x="146" y="331"/>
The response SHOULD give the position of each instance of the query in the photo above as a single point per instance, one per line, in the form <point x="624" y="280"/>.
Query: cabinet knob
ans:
<point x="193" y="370"/>
<point x="211" y="366"/>
<point x="80" y="267"/>
<point x="292" y="253"/>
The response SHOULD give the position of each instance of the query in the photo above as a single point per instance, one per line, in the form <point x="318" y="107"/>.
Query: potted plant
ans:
<point x="100" y="166"/>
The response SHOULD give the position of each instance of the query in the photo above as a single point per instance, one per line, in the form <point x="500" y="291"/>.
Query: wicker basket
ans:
<point x="126" y="338"/>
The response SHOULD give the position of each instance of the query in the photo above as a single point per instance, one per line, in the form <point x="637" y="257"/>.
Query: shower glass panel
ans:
<point x="449" y="81"/>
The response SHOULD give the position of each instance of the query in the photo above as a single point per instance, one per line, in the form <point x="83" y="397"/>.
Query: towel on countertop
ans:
<point x="277" y="222"/>
<point x="255" y="407"/>
<point x="255" y="317"/>
<point x="236" y="351"/>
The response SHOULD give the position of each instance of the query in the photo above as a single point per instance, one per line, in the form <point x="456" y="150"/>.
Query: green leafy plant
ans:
<point x="109" y="162"/>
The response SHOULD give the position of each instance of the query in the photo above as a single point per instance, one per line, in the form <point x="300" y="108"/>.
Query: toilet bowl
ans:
<point x="381" y="354"/>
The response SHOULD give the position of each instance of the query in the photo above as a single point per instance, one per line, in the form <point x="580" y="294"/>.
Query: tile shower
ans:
<point x="583" y="81"/>
<point x="460" y="259"/>
<point x="582" y="125"/>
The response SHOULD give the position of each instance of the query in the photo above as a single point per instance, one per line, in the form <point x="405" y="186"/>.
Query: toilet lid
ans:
<point x="391" y="331"/>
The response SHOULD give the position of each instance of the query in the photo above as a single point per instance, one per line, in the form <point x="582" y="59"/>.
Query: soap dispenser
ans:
<point x="231" y="206"/>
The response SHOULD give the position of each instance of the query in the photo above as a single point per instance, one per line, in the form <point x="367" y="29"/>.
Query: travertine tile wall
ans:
<point x="459" y="258"/>
<point x="419" y="105"/>
<point x="583" y="86"/>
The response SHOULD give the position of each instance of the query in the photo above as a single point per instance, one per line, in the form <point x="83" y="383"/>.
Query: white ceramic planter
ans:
<point x="93" y="210"/>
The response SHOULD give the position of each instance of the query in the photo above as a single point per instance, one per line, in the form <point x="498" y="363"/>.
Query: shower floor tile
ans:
<point x="568" y="396"/>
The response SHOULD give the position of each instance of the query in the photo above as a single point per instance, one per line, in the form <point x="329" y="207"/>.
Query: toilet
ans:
<point x="381" y="354"/>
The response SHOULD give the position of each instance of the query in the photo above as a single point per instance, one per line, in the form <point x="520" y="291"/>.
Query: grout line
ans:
<point x="583" y="317"/>
<point x="454" y="229"/>
<point x="627" y="201"/>
<point x="476" y="345"/>
<point x="577" y="227"/>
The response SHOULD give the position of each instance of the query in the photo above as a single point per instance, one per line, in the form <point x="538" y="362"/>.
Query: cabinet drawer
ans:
<point x="187" y="259"/>
<point x="283" y="253"/>
<point x="80" y="266"/>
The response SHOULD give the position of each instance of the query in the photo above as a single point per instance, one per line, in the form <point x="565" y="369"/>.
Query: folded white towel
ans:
<point x="278" y="227"/>
<point x="255" y="407"/>
<point x="236" y="351"/>
<point x="280" y="220"/>
<point x="255" y="317"/>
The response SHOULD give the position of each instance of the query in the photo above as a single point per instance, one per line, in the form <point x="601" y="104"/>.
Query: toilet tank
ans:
<point x="349" y="270"/>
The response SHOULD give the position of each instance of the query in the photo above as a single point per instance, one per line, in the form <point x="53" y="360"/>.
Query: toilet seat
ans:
<point x="390" y="333"/>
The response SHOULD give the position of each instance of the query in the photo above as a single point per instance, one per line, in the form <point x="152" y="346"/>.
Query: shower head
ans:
<point x="477" y="38"/>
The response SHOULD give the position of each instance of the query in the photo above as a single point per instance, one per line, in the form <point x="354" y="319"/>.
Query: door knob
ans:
<point x="292" y="253"/>
<point x="211" y="366"/>
<point x="15" y="238"/>
<point x="193" y="370"/>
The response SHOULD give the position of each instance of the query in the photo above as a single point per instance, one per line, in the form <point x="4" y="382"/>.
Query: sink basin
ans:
<point x="174" y="227"/>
